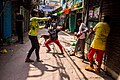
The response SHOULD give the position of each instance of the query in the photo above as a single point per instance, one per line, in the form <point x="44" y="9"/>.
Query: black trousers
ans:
<point x="35" y="46"/>
<point x="19" y="31"/>
<point x="20" y="37"/>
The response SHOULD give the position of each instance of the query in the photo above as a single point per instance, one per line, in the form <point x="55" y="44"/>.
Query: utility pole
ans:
<point x="44" y="2"/>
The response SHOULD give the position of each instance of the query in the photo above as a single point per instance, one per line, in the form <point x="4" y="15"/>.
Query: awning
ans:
<point x="57" y="9"/>
<point x="63" y="11"/>
<point x="66" y="11"/>
<point x="58" y="13"/>
<point x="46" y="8"/>
<point x="77" y="8"/>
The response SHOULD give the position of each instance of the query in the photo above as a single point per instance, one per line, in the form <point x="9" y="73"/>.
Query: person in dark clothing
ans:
<point x="47" y="23"/>
<point x="19" y="27"/>
<point x="76" y="29"/>
<point x="53" y="38"/>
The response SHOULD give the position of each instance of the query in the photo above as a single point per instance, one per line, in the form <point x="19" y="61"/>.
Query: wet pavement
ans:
<point x="54" y="66"/>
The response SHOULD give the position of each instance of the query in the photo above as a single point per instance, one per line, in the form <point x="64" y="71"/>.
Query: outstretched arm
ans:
<point x="39" y="19"/>
<point x="43" y="19"/>
<point x="85" y="29"/>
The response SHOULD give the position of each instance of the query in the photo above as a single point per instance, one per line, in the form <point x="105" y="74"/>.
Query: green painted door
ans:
<point x="72" y="21"/>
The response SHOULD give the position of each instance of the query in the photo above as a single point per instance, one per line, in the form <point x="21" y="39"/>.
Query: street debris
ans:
<point x="3" y="51"/>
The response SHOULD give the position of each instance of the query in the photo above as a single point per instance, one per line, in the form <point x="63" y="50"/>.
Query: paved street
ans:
<point x="54" y="66"/>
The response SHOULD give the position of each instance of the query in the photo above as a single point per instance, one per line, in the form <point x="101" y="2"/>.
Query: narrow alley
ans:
<point x="54" y="66"/>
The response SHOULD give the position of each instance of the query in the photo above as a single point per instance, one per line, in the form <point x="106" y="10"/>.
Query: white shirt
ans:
<point x="82" y="29"/>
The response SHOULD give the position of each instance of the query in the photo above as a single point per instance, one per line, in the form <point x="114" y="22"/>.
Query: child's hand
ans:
<point x="40" y="27"/>
<point x="75" y="33"/>
<point x="78" y="35"/>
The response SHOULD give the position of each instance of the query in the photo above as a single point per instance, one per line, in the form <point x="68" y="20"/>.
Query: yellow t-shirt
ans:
<point x="34" y="26"/>
<point x="102" y="30"/>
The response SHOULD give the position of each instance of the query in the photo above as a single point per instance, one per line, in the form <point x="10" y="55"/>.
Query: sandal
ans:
<point x="72" y="54"/>
<point x="29" y="60"/>
<point x="39" y="60"/>
<point x="88" y="68"/>
<point x="96" y="70"/>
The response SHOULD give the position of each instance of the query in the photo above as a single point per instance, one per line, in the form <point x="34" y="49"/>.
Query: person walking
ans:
<point x="34" y="27"/>
<point x="98" y="44"/>
<point x="53" y="37"/>
<point x="81" y="35"/>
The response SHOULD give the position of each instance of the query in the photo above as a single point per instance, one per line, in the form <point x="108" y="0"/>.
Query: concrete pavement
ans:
<point x="54" y="66"/>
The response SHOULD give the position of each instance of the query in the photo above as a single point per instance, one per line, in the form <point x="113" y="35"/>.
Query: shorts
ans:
<point x="99" y="54"/>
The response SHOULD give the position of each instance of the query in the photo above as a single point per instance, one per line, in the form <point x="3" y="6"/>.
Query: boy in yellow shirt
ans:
<point x="98" y="44"/>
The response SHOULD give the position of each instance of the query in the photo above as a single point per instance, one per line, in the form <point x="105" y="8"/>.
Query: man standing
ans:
<point x="19" y="27"/>
<point x="98" y="44"/>
<point x="81" y="35"/>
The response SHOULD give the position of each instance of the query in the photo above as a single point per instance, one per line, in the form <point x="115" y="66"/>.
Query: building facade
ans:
<point x="112" y="58"/>
<point x="8" y="16"/>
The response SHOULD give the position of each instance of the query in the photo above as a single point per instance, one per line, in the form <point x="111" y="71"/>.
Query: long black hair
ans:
<point x="107" y="18"/>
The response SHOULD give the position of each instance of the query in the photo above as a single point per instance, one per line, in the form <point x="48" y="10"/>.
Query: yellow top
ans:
<point x="102" y="30"/>
<point x="34" y="26"/>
